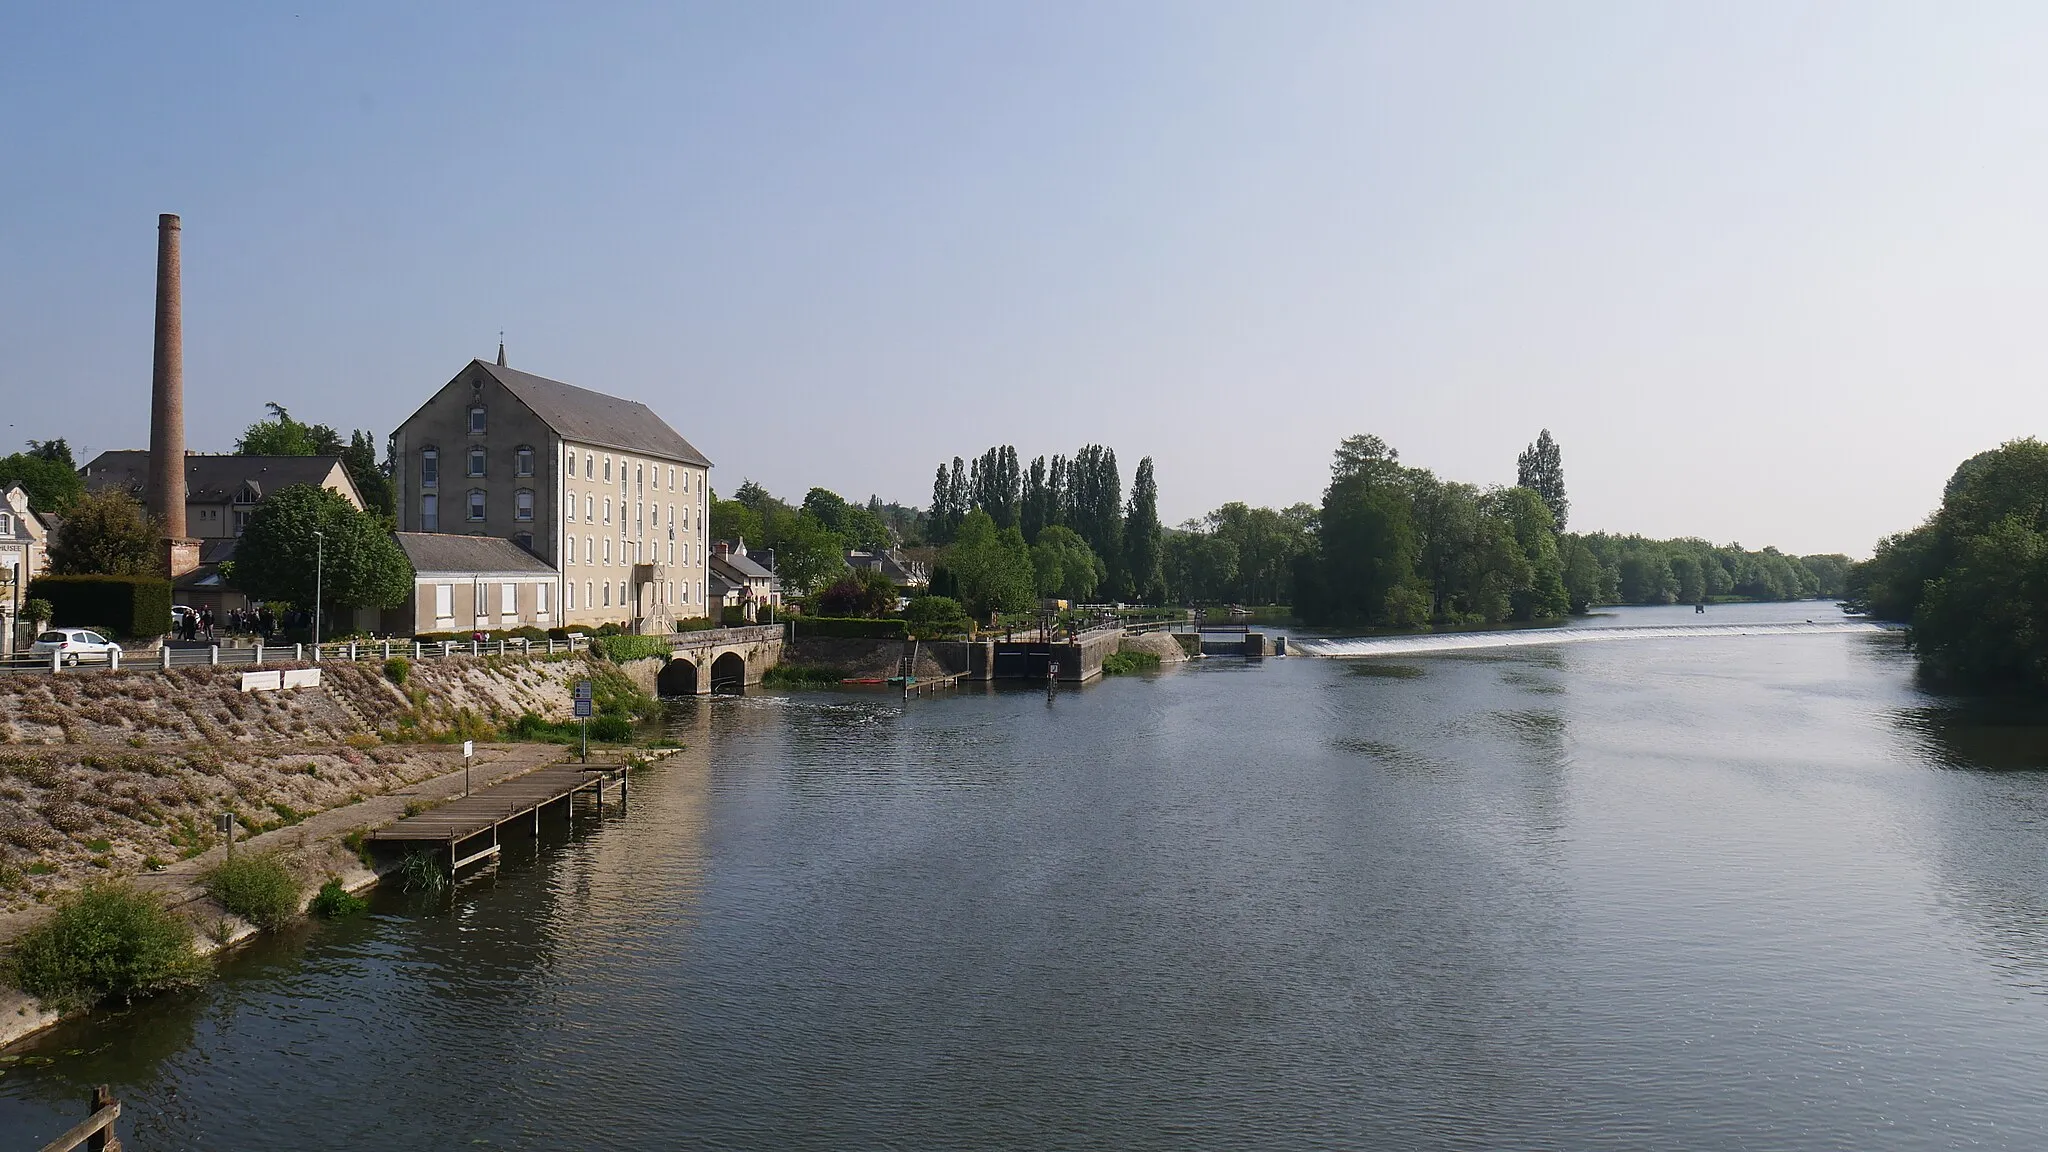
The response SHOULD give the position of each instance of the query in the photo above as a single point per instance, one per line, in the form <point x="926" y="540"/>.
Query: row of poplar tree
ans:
<point x="1064" y="503"/>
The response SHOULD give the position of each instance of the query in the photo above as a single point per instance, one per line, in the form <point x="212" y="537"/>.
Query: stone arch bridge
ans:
<point x="719" y="660"/>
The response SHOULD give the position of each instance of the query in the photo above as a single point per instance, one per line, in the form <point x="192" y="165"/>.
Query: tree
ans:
<point x="992" y="566"/>
<point x="1141" y="538"/>
<point x="934" y="616"/>
<point x="856" y="526"/>
<point x="37" y="612"/>
<point x="1063" y="566"/>
<point x="1095" y="493"/>
<point x="1540" y="468"/>
<point x="1036" y="507"/>
<point x="106" y="534"/>
<point x="357" y="565"/>
<point x="732" y="520"/>
<point x="1366" y="538"/>
<point x="372" y="480"/>
<point x="283" y="436"/>
<point x="861" y="592"/>
<point x="46" y="473"/>
<point x="808" y="555"/>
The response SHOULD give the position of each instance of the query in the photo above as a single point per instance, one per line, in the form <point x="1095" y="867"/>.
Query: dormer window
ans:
<point x="247" y="494"/>
<point x="476" y="420"/>
<point x="430" y="467"/>
<point x="523" y="460"/>
<point x="476" y="461"/>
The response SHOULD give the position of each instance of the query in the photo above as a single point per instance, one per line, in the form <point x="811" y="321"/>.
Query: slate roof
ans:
<point x="742" y="566"/>
<point x="214" y="479"/>
<point x="446" y="554"/>
<point x="594" y="418"/>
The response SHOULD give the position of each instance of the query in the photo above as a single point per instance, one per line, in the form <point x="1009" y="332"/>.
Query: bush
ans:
<point x="397" y="669"/>
<point x="128" y="606"/>
<point x="851" y="629"/>
<point x="1122" y="663"/>
<point x="106" y="942"/>
<point x="932" y="616"/>
<point x="256" y="887"/>
<point x="619" y="649"/>
<point x="333" y="902"/>
<point x="612" y="728"/>
<point x="734" y="616"/>
<point x="864" y="592"/>
<point x="804" y="676"/>
<point x="701" y="623"/>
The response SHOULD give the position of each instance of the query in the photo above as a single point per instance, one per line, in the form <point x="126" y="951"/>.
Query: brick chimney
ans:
<point x="167" y="407"/>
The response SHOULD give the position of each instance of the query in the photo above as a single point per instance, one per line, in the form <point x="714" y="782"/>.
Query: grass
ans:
<point x="358" y="842"/>
<point x="333" y="901"/>
<point x="107" y="941"/>
<point x="1124" y="663"/>
<point x="258" y="887"/>
<point x="803" y="676"/>
<point x="422" y="872"/>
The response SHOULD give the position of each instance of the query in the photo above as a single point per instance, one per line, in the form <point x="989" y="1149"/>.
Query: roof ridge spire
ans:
<point x="501" y="348"/>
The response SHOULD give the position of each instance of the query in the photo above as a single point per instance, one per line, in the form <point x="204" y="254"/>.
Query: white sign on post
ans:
<point x="469" y="747"/>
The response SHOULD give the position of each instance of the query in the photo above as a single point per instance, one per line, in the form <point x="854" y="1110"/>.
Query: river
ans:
<point x="1681" y="892"/>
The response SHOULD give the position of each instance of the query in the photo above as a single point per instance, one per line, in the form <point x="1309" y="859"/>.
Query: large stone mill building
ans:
<point x="599" y="488"/>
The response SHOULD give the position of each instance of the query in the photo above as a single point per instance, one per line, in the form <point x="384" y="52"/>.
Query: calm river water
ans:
<point x="1690" y="893"/>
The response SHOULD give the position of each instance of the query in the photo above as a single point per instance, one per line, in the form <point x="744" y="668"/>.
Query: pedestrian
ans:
<point x="206" y="620"/>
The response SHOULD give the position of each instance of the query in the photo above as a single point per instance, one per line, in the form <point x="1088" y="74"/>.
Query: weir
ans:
<point x="1533" y="637"/>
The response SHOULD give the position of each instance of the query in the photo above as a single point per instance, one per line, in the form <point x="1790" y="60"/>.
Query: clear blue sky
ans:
<point x="1767" y="271"/>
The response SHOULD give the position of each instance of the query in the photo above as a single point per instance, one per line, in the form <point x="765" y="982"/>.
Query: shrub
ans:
<point x="397" y="669"/>
<point x="932" y="616"/>
<point x="804" y="676"/>
<point x="107" y="941"/>
<point x="734" y="616"/>
<point x="1121" y="663"/>
<point x="333" y="901"/>
<point x="863" y="592"/>
<point x="256" y="887"/>
<point x="619" y="649"/>
<point x="702" y="623"/>
<point x="611" y="728"/>
<point x="852" y="628"/>
<point x="131" y="606"/>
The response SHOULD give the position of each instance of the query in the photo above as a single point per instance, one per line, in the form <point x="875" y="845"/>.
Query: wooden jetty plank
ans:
<point x="473" y="815"/>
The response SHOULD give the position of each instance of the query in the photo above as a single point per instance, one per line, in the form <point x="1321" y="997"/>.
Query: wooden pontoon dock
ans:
<point x="466" y="828"/>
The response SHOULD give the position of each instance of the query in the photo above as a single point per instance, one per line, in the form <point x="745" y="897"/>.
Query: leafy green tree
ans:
<point x="1141" y="538"/>
<point x="932" y="616"/>
<point x="106" y="534"/>
<point x="283" y="436"/>
<point x="1199" y="567"/>
<point x="1540" y="468"/>
<point x="1367" y="541"/>
<point x="372" y="480"/>
<point x="1064" y="566"/>
<point x="733" y="520"/>
<point x="995" y="485"/>
<point x="856" y="526"/>
<point x="808" y="555"/>
<point x="992" y="566"/>
<point x="46" y="474"/>
<point x="360" y="566"/>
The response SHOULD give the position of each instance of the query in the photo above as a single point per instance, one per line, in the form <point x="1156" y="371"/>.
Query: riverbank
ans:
<point x="316" y="850"/>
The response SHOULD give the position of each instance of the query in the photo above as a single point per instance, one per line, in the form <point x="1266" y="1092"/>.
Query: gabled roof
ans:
<point x="594" y="418"/>
<point x="446" y="554"/>
<point x="214" y="479"/>
<point x="741" y="567"/>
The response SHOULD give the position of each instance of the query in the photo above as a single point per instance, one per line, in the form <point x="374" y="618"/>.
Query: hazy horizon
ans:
<point x="1767" y="273"/>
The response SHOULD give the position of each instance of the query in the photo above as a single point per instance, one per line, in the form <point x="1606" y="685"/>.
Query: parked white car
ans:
<point x="75" y="644"/>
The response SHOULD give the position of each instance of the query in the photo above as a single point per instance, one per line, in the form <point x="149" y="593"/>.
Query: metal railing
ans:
<point x="261" y="655"/>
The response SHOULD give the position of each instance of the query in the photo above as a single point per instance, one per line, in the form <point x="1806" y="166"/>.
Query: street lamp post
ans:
<point x="319" y="573"/>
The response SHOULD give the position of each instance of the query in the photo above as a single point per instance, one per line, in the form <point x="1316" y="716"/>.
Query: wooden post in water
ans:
<point x="104" y="1140"/>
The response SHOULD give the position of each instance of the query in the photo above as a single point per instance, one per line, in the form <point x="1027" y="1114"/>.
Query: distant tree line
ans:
<point x="1972" y="581"/>
<point x="1397" y="546"/>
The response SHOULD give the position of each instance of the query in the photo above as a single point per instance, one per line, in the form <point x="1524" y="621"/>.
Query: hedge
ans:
<point x="619" y="649"/>
<point x="851" y="628"/>
<point x="130" y="606"/>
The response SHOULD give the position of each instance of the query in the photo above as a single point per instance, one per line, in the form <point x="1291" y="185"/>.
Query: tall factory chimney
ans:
<point x="167" y="407"/>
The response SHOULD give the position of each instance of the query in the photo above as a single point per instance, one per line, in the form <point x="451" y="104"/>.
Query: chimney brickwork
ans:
<point x="167" y="406"/>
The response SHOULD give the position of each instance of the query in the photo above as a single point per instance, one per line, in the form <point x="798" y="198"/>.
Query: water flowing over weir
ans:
<point x="1531" y="637"/>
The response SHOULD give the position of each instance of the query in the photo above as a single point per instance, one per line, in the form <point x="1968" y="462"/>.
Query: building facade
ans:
<point x="600" y="489"/>
<point x="221" y="490"/>
<point x="473" y="584"/>
<point x="24" y="555"/>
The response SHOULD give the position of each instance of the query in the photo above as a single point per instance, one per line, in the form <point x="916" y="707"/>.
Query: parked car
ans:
<point x="75" y="644"/>
<point x="178" y="614"/>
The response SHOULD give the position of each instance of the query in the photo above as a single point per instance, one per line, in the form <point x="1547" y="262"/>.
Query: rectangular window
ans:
<point x="476" y="504"/>
<point x="476" y="421"/>
<point x="640" y="477"/>
<point x="569" y="596"/>
<point x="589" y="551"/>
<point x="607" y="509"/>
<point x="508" y="599"/>
<point x="607" y="469"/>
<point x="476" y="461"/>
<point x="671" y="551"/>
<point x="430" y="513"/>
<point x="587" y="601"/>
<point x="607" y="549"/>
<point x="444" y="602"/>
<point x="430" y="468"/>
<point x="571" y="456"/>
<point x="607" y="593"/>
<point x="569" y="509"/>
<point x="522" y="504"/>
<point x="523" y="462"/>
<point x="671" y="477"/>
<point x="479" y="601"/>
<point x="540" y="601"/>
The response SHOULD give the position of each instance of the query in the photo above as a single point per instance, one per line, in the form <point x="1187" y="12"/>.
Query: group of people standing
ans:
<point x="200" y="624"/>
